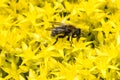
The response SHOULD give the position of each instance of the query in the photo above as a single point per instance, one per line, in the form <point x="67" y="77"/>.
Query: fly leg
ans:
<point x="68" y="39"/>
<point x="61" y="36"/>
<point x="71" y="41"/>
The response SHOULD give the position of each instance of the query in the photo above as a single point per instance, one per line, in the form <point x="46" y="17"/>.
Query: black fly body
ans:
<point x="65" y="30"/>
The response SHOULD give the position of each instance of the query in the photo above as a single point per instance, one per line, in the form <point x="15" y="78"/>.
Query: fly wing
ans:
<point x="49" y="29"/>
<point x="58" y="31"/>
<point x="55" y="27"/>
<point x="57" y="23"/>
<point x="59" y="27"/>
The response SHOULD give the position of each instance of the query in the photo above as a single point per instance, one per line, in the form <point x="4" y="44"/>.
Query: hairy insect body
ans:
<point x="66" y="30"/>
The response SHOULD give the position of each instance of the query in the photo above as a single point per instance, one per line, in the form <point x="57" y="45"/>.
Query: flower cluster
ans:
<point x="26" y="47"/>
